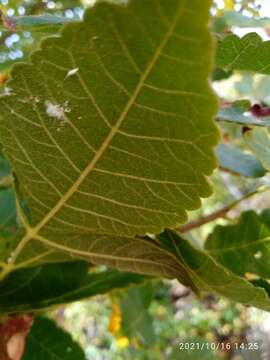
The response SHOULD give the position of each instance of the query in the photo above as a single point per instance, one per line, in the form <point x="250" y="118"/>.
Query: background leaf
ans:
<point x="238" y="162"/>
<point x="258" y="140"/>
<point x="237" y="115"/>
<point x="41" y="287"/>
<point x="243" y="247"/>
<point x="248" y="53"/>
<point x="47" y="341"/>
<point x="136" y="320"/>
<point x="208" y="275"/>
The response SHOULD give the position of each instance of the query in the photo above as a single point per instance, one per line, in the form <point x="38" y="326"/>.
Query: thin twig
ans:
<point x="218" y="213"/>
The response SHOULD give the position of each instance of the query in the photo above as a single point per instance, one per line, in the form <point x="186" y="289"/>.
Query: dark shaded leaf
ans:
<point x="193" y="349"/>
<point x="47" y="341"/>
<point x="237" y="115"/>
<point x="41" y="287"/>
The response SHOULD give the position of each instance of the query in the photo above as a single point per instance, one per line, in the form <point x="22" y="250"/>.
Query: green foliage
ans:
<point x="249" y="53"/>
<point x="5" y="169"/>
<point x="136" y="320"/>
<point x="208" y="275"/>
<point x="31" y="289"/>
<point x="42" y="23"/>
<point x="44" y="339"/>
<point x="243" y="247"/>
<point x="110" y="137"/>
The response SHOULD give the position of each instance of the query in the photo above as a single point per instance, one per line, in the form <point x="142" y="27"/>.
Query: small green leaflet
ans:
<point x="248" y="53"/>
<point x="245" y="246"/>
<point x="109" y="137"/>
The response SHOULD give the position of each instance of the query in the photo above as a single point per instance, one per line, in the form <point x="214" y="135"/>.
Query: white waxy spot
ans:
<point x="7" y="91"/>
<point x="72" y="72"/>
<point x="258" y="255"/>
<point x="66" y="108"/>
<point x="56" y="111"/>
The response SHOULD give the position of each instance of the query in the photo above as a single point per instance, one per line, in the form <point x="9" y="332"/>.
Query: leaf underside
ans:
<point x="110" y="134"/>
<point x="210" y="274"/>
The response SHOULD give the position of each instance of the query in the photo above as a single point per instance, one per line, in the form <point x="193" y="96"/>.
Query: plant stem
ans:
<point x="220" y="213"/>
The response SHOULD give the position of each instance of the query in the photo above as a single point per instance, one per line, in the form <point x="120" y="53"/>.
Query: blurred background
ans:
<point x="149" y="321"/>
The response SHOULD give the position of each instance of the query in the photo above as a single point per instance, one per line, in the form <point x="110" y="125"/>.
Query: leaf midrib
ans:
<point x="32" y="232"/>
<point x="239" y="246"/>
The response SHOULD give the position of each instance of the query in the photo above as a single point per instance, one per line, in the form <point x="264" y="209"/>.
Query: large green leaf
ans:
<point x="248" y="53"/>
<point x="40" y="287"/>
<point x="208" y="275"/>
<point x="245" y="246"/>
<point x="46" y="341"/>
<point x="110" y="132"/>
